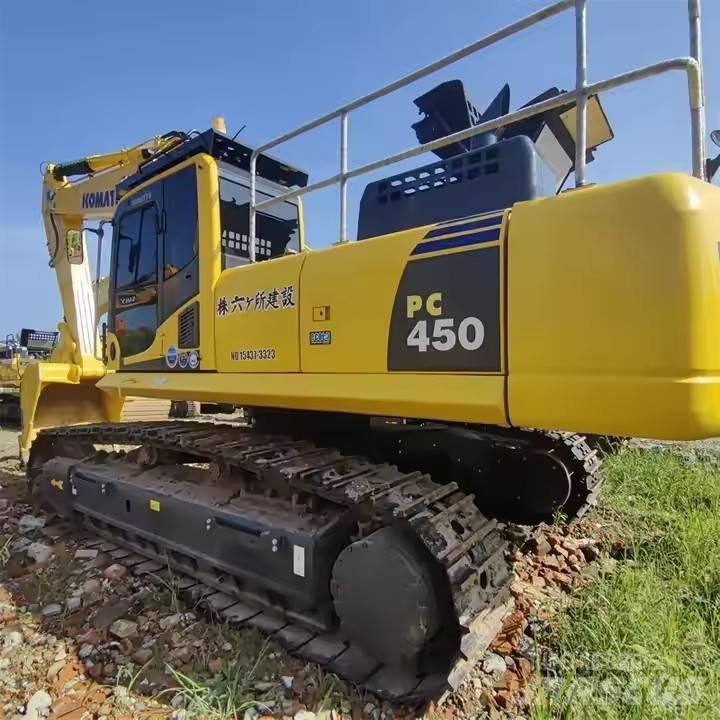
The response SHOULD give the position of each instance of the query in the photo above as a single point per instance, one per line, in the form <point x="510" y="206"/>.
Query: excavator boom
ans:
<point x="62" y="389"/>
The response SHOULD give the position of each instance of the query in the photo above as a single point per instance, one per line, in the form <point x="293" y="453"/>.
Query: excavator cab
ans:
<point x="181" y="220"/>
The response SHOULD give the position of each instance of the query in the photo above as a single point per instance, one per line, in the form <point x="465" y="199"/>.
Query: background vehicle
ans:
<point x="15" y="355"/>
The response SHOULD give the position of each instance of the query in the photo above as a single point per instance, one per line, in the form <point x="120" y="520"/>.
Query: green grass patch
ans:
<point x="643" y="641"/>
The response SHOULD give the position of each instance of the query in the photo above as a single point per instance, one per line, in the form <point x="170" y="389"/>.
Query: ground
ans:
<point x="616" y="616"/>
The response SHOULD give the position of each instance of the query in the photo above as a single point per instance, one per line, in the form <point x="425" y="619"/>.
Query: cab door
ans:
<point x="156" y="274"/>
<point x="134" y="280"/>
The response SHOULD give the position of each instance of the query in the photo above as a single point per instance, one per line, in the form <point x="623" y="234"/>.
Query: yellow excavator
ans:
<point x="448" y="367"/>
<point x="15" y="355"/>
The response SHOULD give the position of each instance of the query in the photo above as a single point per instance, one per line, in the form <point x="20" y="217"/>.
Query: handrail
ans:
<point x="691" y="65"/>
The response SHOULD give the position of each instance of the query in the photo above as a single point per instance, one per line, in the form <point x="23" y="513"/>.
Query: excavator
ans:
<point x="15" y="356"/>
<point x="403" y="392"/>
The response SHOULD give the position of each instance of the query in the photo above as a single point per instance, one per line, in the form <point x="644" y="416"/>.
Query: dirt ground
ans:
<point x="83" y="638"/>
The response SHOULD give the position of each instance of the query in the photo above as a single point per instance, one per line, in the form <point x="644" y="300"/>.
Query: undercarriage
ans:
<point x="359" y="545"/>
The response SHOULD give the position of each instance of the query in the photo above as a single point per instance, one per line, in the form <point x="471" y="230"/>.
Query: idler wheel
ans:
<point x="385" y="595"/>
<point x="539" y="484"/>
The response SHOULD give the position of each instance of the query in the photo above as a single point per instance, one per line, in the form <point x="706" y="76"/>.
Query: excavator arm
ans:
<point x="62" y="390"/>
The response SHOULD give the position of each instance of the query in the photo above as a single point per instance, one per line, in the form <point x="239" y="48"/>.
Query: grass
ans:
<point x="229" y="693"/>
<point x="643" y="641"/>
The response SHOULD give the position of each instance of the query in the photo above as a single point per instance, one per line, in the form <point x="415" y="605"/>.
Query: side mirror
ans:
<point x="713" y="165"/>
<point x="74" y="246"/>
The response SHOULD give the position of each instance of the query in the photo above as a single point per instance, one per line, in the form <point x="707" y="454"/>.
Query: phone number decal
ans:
<point x="259" y="354"/>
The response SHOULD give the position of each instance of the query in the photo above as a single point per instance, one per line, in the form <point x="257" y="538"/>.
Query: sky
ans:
<point x="83" y="77"/>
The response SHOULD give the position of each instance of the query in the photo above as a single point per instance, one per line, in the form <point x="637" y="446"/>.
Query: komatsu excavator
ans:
<point x="402" y="388"/>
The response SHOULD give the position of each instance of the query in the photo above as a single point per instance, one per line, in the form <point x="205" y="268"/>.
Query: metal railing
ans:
<point x="691" y="65"/>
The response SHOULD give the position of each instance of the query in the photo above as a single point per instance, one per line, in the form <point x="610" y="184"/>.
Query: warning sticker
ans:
<point x="299" y="560"/>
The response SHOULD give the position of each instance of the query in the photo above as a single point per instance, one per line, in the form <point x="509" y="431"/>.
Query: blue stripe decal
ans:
<point x="457" y="241"/>
<point x="472" y="217"/>
<point x="474" y="225"/>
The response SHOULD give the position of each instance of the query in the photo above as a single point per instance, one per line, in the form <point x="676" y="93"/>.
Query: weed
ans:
<point x="5" y="552"/>
<point x="228" y="694"/>
<point x="644" y="641"/>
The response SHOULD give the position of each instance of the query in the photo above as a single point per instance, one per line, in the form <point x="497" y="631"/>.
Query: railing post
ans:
<point x="251" y="228"/>
<point x="343" y="171"/>
<point x="580" y="86"/>
<point x="697" y="114"/>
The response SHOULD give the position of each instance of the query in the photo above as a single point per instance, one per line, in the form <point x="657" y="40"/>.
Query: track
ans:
<point x="467" y="549"/>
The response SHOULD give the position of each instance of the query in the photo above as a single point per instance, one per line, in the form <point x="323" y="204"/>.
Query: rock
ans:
<point x="251" y="713"/>
<point x="504" y="699"/>
<point x="123" y="628"/>
<point x="369" y="708"/>
<point x="115" y="571"/>
<point x="54" y="669"/>
<point x="4" y="504"/>
<point x="538" y="581"/>
<point x="109" y="613"/>
<point x="21" y="544"/>
<point x="508" y="681"/>
<point x="91" y="635"/>
<point x="142" y="655"/>
<point x="72" y="603"/>
<point x="85" y="651"/>
<point x="85" y="554"/>
<point x="287" y="680"/>
<point x="14" y="639"/>
<point x="39" y="552"/>
<point x="95" y="671"/>
<point x="525" y="667"/>
<point x="304" y="715"/>
<point x="90" y="586"/>
<point x="170" y="621"/>
<point x="51" y="610"/>
<point x="67" y="707"/>
<point x="37" y="705"/>
<point x="215" y="665"/>
<point x="590" y="552"/>
<point x="552" y="562"/>
<point x="537" y="545"/>
<point x="30" y="522"/>
<point x="494" y="664"/>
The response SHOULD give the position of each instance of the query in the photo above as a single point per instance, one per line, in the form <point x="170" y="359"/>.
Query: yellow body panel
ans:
<point x="256" y="317"/>
<point x="614" y="309"/>
<point x="474" y="398"/>
<point x="61" y="393"/>
<point x="605" y="319"/>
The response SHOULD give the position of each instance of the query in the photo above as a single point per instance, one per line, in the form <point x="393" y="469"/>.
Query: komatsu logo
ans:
<point x="99" y="199"/>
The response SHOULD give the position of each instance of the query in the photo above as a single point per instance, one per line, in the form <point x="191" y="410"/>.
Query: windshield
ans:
<point x="277" y="229"/>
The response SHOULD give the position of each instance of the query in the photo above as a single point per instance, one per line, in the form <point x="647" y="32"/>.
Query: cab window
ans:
<point x="136" y="262"/>
<point x="180" y="204"/>
<point x="277" y="227"/>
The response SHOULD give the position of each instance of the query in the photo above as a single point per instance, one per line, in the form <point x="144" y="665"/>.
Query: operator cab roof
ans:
<point x="221" y="148"/>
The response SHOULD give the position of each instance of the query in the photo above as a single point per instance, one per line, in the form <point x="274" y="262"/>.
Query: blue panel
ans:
<point x="457" y="241"/>
<point x="474" y="225"/>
